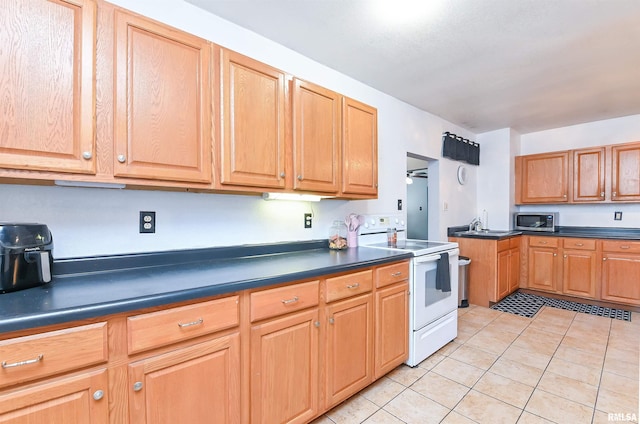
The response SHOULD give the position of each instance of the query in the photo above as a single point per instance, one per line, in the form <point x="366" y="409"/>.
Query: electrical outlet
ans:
<point x="617" y="216"/>
<point x="147" y="222"/>
<point x="307" y="220"/>
<point x="399" y="204"/>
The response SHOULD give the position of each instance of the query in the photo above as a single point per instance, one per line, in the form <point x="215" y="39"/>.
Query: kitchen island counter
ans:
<point x="84" y="288"/>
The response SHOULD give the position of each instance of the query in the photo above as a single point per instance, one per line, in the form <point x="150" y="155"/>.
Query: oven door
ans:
<point x="428" y="302"/>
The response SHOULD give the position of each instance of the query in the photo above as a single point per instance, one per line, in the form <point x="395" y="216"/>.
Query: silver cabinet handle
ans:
<point x="317" y="324"/>
<point x="602" y="194"/>
<point x="614" y="194"/>
<point x="21" y="363"/>
<point x="625" y="247"/>
<point x="98" y="394"/>
<point x="565" y="256"/>
<point x="543" y="242"/>
<point x="555" y="254"/>
<point x="331" y="320"/>
<point x="353" y="286"/>
<point x="294" y="299"/>
<point x="396" y="274"/>
<point x="137" y="386"/>
<point x="579" y="244"/>
<point x="87" y="155"/>
<point x="122" y="158"/>
<point x="189" y="324"/>
<point x="299" y="177"/>
<point x="604" y="259"/>
<point x="282" y="174"/>
<point x="564" y="195"/>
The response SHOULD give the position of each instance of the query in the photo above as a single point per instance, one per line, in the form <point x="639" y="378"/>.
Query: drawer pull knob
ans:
<point x="543" y="242"/>
<point x="625" y="247"/>
<point x="87" y="155"/>
<point x="396" y="274"/>
<point x="21" y="363"/>
<point x="294" y="299"/>
<point x="98" y="394"/>
<point x="189" y="324"/>
<point x="579" y="244"/>
<point x="353" y="286"/>
<point x="331" y="320"/>
<point x="122" y="158"/>
<point x="604" y="259"/>
<point x="317" y="324"/>
<point x="137" y="386"/>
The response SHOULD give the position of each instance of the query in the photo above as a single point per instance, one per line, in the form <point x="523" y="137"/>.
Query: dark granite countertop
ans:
<point x="85" y="288"/>
<point x="563" y="231"/>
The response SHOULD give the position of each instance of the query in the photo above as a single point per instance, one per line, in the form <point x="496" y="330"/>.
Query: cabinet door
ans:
<point x="79" y="399"/>
<point x="253" y="123"/>
<point x="625" y="183"/>
<point x="47" y="74"/>
<point x="543" y="268"/>
<point x="579" y="273"/>
<point x="284" y="369"/>
<point x="198" y="384"/>
<point x="391" y="328"/>
<point x="163" y="104"/>
<point x="504" y="262"/>
<point x="359" y="148"/>
<point x="316" y="138"/>
<point x="545" y="178"/>
<point x="514" y="270"/>
<point x="349" y="347"/>
<point x="588" y="175"/>
<point x="621" y="278"/>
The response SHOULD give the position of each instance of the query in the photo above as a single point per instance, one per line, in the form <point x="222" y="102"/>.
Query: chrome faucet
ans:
<point x="475" y="225"/>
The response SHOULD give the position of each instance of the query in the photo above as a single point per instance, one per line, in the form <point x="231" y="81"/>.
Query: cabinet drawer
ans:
<point x="393" y="273"/>
<point x="579" y="244"/>
<point x="156" y="329"/>
<point x="282" y="300"/>
<point x="30" y="357"/>
<point x="514" y="242"/>
<point x="543" y="241"/>
<point x="349" y="285"/>
<point x="503" y="245"/>
<point x="622" y="246"/>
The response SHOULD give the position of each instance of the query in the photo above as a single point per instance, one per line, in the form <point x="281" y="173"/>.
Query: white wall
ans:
<point x="88" y="222"/>
<point x="610" y="131"/>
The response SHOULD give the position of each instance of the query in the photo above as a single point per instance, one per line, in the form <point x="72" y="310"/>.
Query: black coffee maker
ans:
<point x="25" y="256"/>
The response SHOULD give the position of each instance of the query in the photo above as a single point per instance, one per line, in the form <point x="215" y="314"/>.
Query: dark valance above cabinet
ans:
<point x="460" y="149"/>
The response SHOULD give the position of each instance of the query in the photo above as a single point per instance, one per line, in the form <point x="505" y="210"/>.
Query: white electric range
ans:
<point x="433" y="302"/>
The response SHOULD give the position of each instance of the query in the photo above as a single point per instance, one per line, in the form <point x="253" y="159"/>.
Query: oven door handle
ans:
<point x="426" y="259"/>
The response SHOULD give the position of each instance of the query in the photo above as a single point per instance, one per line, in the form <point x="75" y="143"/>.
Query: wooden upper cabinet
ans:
<point x="316" y="137"/>
<point x="253" y="99"/>
<point x="359" y="148"/>
<point x="162" y="102"/>
<point x="625" y="181"/>
<point x="588" y="175"/>
<point x="544" y="178"/>
<point x="47" y="74"/>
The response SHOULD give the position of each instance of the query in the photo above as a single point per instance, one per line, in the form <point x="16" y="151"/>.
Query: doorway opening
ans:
<point x="418" y="196"/>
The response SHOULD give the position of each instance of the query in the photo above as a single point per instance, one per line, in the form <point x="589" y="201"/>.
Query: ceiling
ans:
<point x="525" y="64"/>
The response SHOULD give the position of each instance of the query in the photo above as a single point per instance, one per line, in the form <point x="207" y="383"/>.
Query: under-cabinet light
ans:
<point x="291" y="196"/>
<point x="65" y="183"/>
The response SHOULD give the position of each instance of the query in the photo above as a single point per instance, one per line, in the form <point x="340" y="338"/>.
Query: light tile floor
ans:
<point x="558" y="367"/>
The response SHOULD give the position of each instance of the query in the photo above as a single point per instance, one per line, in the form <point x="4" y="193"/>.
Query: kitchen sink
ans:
<point x="487" y="233"/>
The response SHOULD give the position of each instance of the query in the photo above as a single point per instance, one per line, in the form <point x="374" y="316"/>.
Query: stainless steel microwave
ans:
<point x="541" y="221"/>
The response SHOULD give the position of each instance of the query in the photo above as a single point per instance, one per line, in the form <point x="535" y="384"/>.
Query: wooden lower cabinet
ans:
<point x="348" y="347"/>
<point x="621" y="272"/>
<point x="284" y="369"/>
<point x="544" y="266"/>
<point x="580" y="267"/>
<point x="196" y="384"/>
<point x="78" y="399"/>
<point x="391" y="328"/>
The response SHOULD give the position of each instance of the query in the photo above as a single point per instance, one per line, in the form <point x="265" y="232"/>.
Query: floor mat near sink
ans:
<point x="527" y="305"/>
